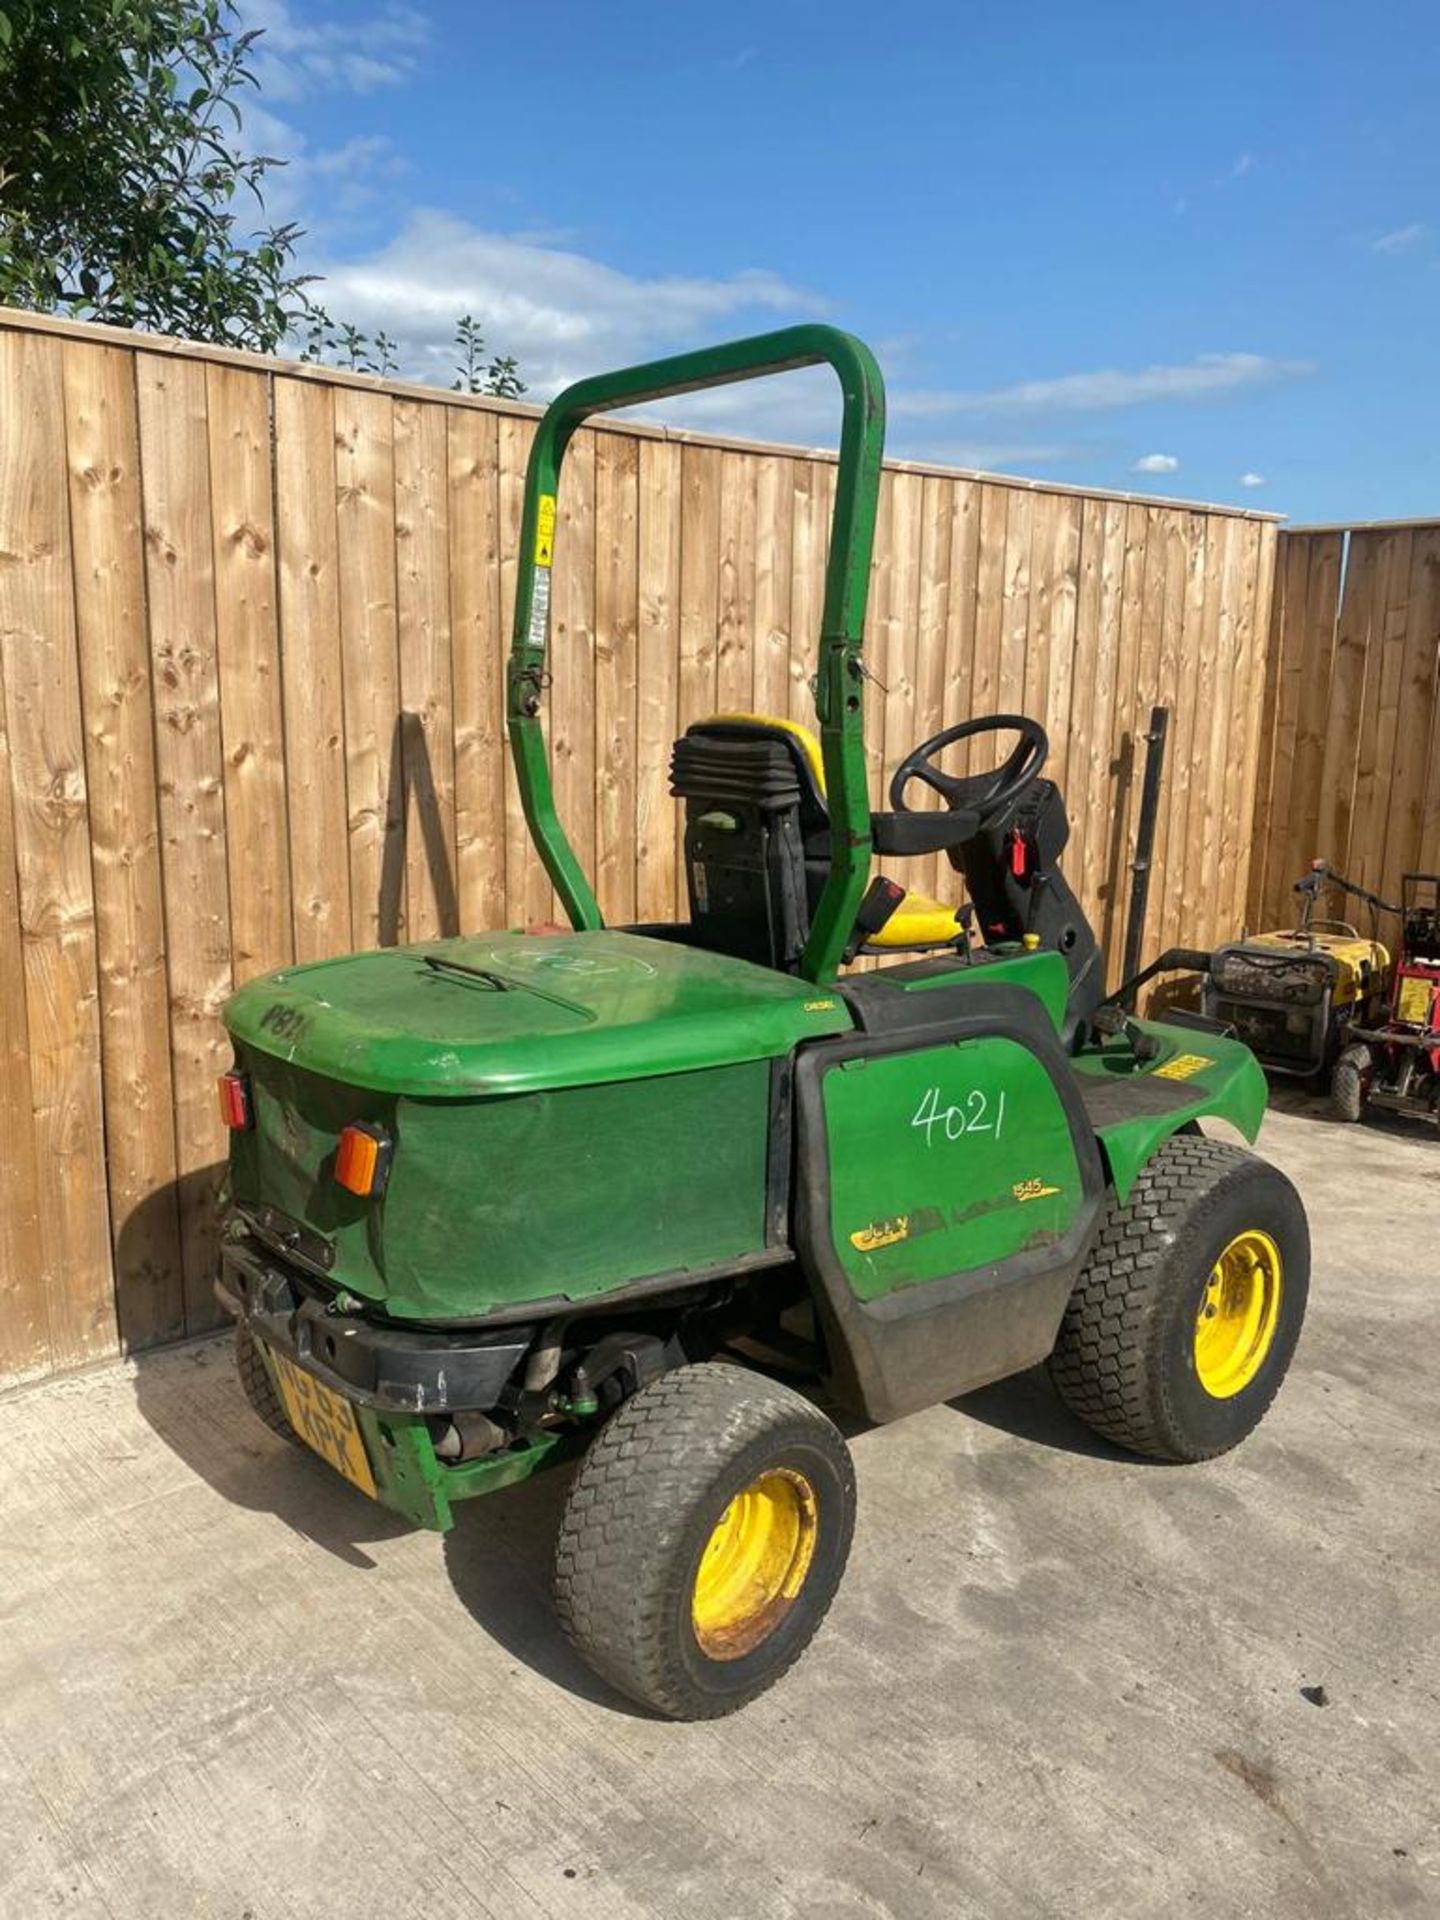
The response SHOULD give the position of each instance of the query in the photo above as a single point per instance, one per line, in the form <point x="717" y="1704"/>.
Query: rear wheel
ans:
<point x="258" y="1387"/>
<point x="703" y="1540"/>
<point x="1184" y="1321"/>
<point x="1348" y="1083"/>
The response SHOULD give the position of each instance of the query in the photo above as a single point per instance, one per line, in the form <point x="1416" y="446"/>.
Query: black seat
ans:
<point x="757" y="843"/>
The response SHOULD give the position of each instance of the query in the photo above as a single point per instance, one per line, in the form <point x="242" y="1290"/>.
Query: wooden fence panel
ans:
<point x="1351" y="775"/>
<point x="102" y="432"/>
<point x="253" y="624"/>
<point x="189" y="766"/>
<point x="365" y="558"/>
<point x="479" y="661"/>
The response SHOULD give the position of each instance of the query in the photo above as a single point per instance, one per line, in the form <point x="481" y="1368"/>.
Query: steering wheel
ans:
<point x="984" y="794"/>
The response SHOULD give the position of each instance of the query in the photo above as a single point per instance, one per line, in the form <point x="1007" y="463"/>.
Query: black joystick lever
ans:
<point x="1111" y="1018"/>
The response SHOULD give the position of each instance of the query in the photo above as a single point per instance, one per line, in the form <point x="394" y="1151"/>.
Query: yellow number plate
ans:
<point x="325" y="1421"/>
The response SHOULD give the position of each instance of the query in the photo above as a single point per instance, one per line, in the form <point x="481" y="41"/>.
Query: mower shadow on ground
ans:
<point x="190" y="1396"/>
<point x="1026" y="1406"/>
<point x="499" y="1557"/>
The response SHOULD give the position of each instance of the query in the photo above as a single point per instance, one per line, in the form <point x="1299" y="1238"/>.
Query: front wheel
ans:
<point x="1185" y="1318"/>
<point x="703" y="1539"/>
<point x="1348" y="1083"/>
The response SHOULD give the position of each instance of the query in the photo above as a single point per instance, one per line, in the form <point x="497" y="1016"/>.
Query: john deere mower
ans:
<point x="1291" y="994"/>
<point x="1394" y="1063"/>
<point x="640" y="1197"/>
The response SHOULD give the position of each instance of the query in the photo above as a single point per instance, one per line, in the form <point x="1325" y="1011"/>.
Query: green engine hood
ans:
<point x="552" y="1010"/>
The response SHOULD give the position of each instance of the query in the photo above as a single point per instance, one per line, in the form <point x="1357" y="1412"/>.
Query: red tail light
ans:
<point x="362" y="1159"/>
<point x="234" y="1091"/>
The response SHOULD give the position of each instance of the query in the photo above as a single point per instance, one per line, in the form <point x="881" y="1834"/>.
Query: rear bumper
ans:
<point x="388" y="1368"/>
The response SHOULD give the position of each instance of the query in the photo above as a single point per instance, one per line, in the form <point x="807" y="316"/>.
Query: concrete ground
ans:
<point x="1056" y="1681"/>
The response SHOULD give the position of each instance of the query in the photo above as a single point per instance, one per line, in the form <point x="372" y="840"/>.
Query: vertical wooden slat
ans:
<point x="248" y="651"/>
<point x="774" y="534"/>
<point x="175" y="465"/>
<point x="700" y="481"/>
<point x="370" y="666"/>
<point x="478" y="644"/>
<point x="312" y="668"/>
<point x="933" y="875"/>
<point x="1380" y="720"/>
<point x="102" y="438"/>
<point x="57" y="905"/>
<point x="1215" y="880"/>
<point x="1262" y="587"/>
<point x="617" y="560"/>
<point x="1083" y="692"/>
<point x="809" y="527"/>
<point x="427" y="698"/>
<point x="1125" y="724"/>
<point x="1015" y="616"/>
<point x="734" y="674"/>
<point x="989" y="608"/>
<point x="1288" y="670"/>
<point x="1034" y="698"/>
<point x="875" y="651"/>
<point x="572" y="696"/>
<point x="658" y="674"/>
<point x="1414" y="714"/>
<point x="24" y="1321"/>
<point x="515" y="437"/>
<point x="1186" y="725"/>
<point x="898" y="634"/>
<point x="1347" y="694"/>
<point x="1322" y="597"/>
<point x="1228" y="906"/>
<point x="1172" y="531"/>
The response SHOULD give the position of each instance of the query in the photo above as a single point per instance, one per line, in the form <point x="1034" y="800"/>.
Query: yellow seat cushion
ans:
<point x="918" y="921"/>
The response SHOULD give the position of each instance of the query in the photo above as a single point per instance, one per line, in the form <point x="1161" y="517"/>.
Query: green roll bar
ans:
<point x="839" y="702"/>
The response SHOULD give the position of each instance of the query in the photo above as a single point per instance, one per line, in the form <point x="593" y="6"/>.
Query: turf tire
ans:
<point x="259" y="1388"/>
<point x="641" y="1509"/>
<point x="1125" y="1358"/>
<point x="1348" y="1083"/>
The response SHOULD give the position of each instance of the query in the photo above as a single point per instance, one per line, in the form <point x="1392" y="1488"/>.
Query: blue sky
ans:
<point x="1186" y="250"/>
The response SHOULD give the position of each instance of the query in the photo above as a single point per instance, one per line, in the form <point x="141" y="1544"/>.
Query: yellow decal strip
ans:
<point x="1183" y="1066"/>
<point x="881" y="1233"/>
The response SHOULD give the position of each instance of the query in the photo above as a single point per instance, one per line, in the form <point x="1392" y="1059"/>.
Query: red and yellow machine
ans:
<point x="1396" y="1064"/>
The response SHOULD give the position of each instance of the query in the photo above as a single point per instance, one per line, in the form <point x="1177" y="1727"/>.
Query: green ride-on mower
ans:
<point x="518" y="1198"/>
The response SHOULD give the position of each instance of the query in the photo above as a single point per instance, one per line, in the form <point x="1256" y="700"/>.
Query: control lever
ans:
<point x="1111" y="1019"/>
<point x="882" y="897"/>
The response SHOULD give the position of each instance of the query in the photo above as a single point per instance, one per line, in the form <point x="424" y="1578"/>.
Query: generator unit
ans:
<point x="1291" y="994"/>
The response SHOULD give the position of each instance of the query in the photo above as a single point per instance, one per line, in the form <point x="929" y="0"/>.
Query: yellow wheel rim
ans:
<point x="754" y="1564"/>
<point x="1239" y="1313"/>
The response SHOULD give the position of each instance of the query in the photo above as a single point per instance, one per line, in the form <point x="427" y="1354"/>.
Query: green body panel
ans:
<point x="1219" y="1079"/>
<point x="838" y="681"/>
<point x="1042" y="973"/>
<point x="944" y="1159"/>
<point x="411" y="1479"/>
<point x="576" y="1010"/>
<point x="494" y="1203"/>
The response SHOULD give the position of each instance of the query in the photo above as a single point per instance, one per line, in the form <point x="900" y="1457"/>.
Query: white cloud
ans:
<point x="1252" y="479"/>
<point x="356" y="54"/>
<point x="1403" y="239"/>
<point x="560" y="312"/>
<point x="1243" y="163"/>
<point x="1206" y="377"/>
<point x="1156" y="463"/>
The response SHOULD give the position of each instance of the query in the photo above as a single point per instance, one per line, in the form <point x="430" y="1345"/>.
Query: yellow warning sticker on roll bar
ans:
<point x="545" y="530"/>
